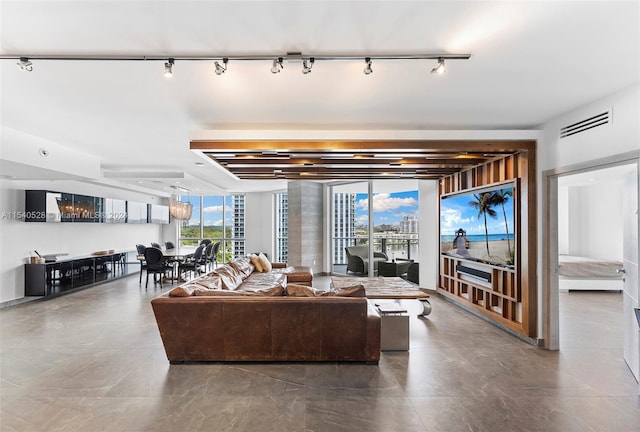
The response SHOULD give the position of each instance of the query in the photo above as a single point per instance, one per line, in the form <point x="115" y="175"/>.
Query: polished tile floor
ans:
<point x="93" y="361"/>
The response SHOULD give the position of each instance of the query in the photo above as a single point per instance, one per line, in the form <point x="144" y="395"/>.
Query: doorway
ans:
<point x="553" y="241"/>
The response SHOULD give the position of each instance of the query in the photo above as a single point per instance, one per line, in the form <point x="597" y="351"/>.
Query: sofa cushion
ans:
<point x="259" y="281"/>
<point x="185" y="290"/>
<point x="229" y="277"/>
<point x="210" y="281"/>
<point x="275" y="291"/>
<point x="296" y="274"/>
<point x="243" y="266"/>
<point x="352" y="291"/>
<point x="295" y="290"/>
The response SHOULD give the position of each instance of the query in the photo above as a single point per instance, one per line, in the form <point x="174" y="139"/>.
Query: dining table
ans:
<point x="179" y="253"/>
<point x="176" y="255"/>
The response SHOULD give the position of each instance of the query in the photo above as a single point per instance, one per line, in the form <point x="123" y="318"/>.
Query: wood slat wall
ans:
<point x="510" y="299"/>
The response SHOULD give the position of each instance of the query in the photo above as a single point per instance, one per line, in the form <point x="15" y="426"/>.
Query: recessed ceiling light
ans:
<point x="139" y="181"/>
<point x="200" y="164"/>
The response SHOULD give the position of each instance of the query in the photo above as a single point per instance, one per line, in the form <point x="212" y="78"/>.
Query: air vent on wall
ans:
<point x="586" y="124"/>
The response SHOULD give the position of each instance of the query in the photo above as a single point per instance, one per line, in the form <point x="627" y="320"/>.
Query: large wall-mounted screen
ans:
<point x="479" y="225"/>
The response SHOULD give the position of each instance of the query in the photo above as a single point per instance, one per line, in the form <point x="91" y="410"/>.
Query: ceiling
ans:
<point x="530" y="62"/>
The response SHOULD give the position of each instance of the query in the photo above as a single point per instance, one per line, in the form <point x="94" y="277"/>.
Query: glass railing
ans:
<point x="396" y="247"/>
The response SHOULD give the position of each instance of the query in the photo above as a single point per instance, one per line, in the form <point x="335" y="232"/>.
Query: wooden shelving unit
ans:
<point x="499" y="298"/>
<point x="507" y="295"/>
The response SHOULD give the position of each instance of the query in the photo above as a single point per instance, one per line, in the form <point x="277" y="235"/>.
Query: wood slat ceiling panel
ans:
<point x="327" y="160"/>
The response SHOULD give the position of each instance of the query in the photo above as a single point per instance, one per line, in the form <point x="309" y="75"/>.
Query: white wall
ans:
<point x="619" y="137"/>
<point x="259" y="222"/>
<point x="595" y="221"/>
<point x="429" y="233"/>
<point x="20" y="238"/>
<point x="563" y="220"/>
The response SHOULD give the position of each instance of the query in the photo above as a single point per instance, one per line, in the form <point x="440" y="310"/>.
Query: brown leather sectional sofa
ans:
<point x="265" y="318"/>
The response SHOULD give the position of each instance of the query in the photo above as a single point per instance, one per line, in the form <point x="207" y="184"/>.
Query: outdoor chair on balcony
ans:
<point x="358" y="259"/>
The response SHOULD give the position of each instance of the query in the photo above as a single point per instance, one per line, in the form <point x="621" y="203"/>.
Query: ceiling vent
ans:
<point x="586" y="124"/>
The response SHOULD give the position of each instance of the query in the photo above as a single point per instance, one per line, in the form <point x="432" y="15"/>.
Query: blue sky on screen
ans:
<point x="388" y="208"/>
<point x="456" y="212"/>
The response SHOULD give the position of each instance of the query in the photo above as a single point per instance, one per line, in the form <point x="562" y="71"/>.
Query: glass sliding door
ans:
<point x="350" y="221"/>
<point x="394" y="210"/>
<point x="395" y="216"/>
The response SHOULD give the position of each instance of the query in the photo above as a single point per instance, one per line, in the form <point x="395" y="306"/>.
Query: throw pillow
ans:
<point x="266" y="265"/>
<point x="256" y="262"/>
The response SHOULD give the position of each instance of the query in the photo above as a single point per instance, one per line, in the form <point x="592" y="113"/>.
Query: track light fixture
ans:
<point x="24" y="64"/>
<point x="277" y="65"/>
<point x="440" y="69"/>
<point x="220" y="69"/>
<point x="168" y="68"/>
<point x="306" y="66"/>
<point x="367" y="69"/>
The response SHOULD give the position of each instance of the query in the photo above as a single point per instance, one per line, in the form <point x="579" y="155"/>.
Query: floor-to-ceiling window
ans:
<point x="395" y="219"/>
<point x="191" y="230"/>
<point x="395" y="224"/>
<point x="219" y="218"/>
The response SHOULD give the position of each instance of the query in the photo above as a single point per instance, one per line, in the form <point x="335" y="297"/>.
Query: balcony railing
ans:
<point x="399" y="246"/>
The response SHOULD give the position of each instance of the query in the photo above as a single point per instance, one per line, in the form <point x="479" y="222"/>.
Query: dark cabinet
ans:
<point x="60" y="277"/>
<point x="49" y="206"/>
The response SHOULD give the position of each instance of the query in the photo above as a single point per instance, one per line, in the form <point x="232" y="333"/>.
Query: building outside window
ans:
<point x="344" y="221"/>
<point x="281" y="220"/>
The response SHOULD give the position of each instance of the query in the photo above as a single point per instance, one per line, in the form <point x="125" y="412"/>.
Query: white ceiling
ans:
<point x="531" y="61"/>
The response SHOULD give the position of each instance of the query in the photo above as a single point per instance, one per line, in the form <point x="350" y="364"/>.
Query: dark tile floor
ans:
<point x="93" y="361"/>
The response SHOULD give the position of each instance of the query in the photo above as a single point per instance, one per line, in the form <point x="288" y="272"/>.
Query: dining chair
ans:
<point x="206" y="256"/>
<point x="143" y="264"/>
<point x="156" y="245"/>
<point x="214" y="255"/>
<point x="205" y="241"/>
<point x="169" y="245"/>
<point x="156" y="264"/>
<point x="192" y="264"/>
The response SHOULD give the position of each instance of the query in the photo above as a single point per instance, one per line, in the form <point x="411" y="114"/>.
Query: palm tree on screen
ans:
<point x="501" y="197"/>
<point x="484" y="204"/>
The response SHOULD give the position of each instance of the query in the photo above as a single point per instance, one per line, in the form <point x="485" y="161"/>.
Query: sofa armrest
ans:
<point x="373" y="334"/>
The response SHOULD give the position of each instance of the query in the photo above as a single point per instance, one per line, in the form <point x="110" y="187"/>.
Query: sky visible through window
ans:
<point x="388" y="208"/>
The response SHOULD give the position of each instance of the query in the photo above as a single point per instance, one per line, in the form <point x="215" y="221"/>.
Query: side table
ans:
<point x="394" y="268"/>
<point x="394" y="327"/>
